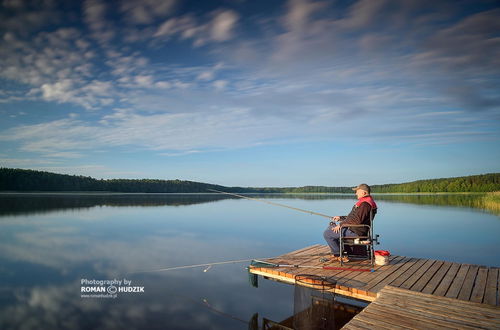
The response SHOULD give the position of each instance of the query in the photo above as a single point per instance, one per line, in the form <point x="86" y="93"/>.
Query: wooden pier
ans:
<point x="464" y="282"/>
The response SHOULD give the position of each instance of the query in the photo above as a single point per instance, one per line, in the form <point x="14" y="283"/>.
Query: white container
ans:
<point x="381" y="260"/>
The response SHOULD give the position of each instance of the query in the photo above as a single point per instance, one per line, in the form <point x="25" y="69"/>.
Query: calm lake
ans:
<point x="50" y="243"/>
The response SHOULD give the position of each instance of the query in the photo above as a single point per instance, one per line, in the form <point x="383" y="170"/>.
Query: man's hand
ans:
<point x="336" y="218"/>
<point x="336" y="229"/>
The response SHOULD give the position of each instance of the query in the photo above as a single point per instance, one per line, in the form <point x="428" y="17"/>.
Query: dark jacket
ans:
<point x="359" y="215"/>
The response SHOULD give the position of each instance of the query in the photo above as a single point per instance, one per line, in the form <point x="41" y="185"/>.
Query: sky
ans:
<point x="251" y="93"/>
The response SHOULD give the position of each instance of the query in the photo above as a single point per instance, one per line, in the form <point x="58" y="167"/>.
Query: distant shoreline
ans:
<point x="57" y="192"/>
<point x="21" y="180"/>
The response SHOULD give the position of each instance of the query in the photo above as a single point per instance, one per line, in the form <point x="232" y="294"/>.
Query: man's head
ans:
<point x="362" y="190"/>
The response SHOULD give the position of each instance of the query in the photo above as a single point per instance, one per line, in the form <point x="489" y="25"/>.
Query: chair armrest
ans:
<point x="349" y="225"/>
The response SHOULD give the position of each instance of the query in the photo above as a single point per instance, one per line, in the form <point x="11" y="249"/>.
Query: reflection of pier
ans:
<point x="438" y="289"/>
<point x="342" y="313"/>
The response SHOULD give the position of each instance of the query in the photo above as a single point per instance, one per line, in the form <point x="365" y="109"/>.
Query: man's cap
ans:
<point x="363" y="186"/>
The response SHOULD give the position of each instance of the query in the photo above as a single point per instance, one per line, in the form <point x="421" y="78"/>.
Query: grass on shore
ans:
<point x="490" y="201"/>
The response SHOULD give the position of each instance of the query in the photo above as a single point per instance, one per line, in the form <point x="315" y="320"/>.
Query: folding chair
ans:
<point x="359" y="246"/>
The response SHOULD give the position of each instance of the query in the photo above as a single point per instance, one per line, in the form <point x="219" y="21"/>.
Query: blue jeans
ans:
<point x="333" y="238"/>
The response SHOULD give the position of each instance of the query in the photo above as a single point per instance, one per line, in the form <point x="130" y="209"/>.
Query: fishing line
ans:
<point x="271" y="203"/>
<point x="208" y="265"/>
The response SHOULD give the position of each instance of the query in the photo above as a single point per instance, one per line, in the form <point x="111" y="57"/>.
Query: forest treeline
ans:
<point x="31" y="180"/>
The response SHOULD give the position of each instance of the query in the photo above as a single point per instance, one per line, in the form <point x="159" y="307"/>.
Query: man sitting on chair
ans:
<point x="359" y="215"/>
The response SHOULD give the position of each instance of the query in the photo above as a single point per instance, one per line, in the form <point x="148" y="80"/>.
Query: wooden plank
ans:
<point x="284" y="259"/>
<point x="289" y="271"/>
<point x="339" y="275"/>
<point x="380" y="273"/>
<point x="425" y="316"/>
<point x="498" y="286"/>
<point x="378" y="320"/>
<point x="314" y="261"/>
<point x="436" y="279"/>
<point x="470" y="278"/>
<point x="417" y="275"/>
<point x="458" y="314"/>
<point x="377" y="284"/>
<point x="478" y="291"/>
<point x="357" y="324"/>
<point x="299" y="251"/>
<point x="490" y="296"/>
<point x="451" y="304"/>
<point x="379" y="270"/>
<point x="458" y="281"/>
<point x="426" y="277"/>
<point x="281" y="258"/>
<point x="409" y="272"/>
<point x="407" y="318"/>
<point x="445" y="284"/>
<point x="457" y="311"/>
<point x="342" y="276"/>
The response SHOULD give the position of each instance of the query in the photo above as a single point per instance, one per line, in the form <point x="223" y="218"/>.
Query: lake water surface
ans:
<point x="49" y="243"/>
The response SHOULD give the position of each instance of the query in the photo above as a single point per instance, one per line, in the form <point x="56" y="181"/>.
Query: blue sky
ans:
<point x="251" y="93"/>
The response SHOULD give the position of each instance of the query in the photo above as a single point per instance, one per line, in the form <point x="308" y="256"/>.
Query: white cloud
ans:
<point x="49" y="56"/>
<point x="300" y="12"/>
<point x="220" y="84"/>
<point x="177" y="132"/>
<point x="218" y="28"/>
<point x="25" y="162"/>
<point x="363" y="13"/>
<point x="163" y="84"/>
<point x="144" y="81"/>
<point x="24" y="17"/>
<point x="95" y="16"/>
<point x="206" y="75"/>
<point x="177" y="25"/>
<point x="55" y="65"/>
<point x="146" y="11"/>
<point x="223" y="24"/>
<point x="60" y="91"/>
<point x="88" y="95"/>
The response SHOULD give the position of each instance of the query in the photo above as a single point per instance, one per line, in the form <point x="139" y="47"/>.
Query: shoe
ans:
<point x="344" y="259"/>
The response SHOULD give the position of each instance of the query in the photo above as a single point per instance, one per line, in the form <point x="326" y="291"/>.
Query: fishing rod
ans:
<point x="271" y="203"/>
<point x="270" y="264"/>
<point x="210" y="264"/>
<point x="207" y="265"/>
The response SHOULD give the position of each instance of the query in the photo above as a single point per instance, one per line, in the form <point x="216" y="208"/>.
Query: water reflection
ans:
<point x="45" y="255"/>
<point x="26" y="203"/>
